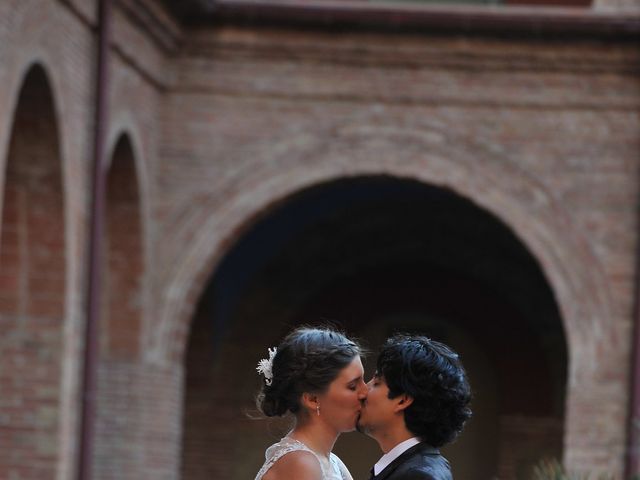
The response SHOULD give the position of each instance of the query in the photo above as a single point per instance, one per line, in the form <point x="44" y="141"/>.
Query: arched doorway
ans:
<point x="32" y="286"/>
<point x="377" y="254"/>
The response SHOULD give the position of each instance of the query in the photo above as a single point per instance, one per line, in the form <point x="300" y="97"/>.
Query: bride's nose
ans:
<point x="363" y="391"/>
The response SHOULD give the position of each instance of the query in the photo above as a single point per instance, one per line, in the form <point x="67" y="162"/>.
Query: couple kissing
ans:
<point x="416" y="402"/>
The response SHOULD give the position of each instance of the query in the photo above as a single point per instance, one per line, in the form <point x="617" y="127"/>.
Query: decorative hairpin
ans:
<point x="265" y="366"/>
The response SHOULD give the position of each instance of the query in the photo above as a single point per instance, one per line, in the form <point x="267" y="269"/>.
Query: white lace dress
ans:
<point x="331" y="470"/>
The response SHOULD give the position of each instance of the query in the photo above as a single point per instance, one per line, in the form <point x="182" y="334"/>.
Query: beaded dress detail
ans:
<point x="331" y="469"/>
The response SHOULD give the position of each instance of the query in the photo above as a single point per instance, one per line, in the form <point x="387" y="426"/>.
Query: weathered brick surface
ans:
<point x="549" y="118"/>
<point x="124" y="262"/>
<point x="616" y="5"/>
<point x="52" y="36"/>
<point x="138" y="424"/>
<point x="32" y="266"/>
<point x="222" y="125"/>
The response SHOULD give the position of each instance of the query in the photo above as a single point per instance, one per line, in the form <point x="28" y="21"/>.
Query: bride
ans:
<point x="317" y="375"/>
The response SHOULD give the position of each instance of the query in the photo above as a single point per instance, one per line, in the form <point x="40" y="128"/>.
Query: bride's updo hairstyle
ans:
<point x="307" y="360"/>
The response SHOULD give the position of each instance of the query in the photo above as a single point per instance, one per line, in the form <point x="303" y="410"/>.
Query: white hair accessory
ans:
<point x="265" y="366"/>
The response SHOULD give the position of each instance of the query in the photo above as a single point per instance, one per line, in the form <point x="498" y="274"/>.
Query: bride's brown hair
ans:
<point x="307" y="360"/>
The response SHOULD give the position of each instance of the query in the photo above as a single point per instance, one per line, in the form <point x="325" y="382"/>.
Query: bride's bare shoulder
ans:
<point x="298" y="464"/>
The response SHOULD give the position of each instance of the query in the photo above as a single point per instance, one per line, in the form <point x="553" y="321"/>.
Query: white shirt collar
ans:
<point x="394" y="453"/>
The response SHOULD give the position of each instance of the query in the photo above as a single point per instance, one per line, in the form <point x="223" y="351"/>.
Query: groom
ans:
<point x="418" y="401"/>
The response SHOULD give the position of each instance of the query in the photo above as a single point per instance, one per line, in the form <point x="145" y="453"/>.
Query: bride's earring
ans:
<point x="318" y="409"/>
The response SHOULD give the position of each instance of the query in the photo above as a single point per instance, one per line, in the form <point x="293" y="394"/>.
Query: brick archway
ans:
<point x="33" y="293"/>
<point x="119" y="413"/>
<point x="124" y="257"/>
<point x="478" y="174"/>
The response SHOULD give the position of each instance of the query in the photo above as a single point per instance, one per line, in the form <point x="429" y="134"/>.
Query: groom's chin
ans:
<point x="363" y="428"/>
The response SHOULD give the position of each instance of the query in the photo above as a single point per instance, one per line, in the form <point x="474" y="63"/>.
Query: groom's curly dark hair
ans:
<point x="431" y="374"/>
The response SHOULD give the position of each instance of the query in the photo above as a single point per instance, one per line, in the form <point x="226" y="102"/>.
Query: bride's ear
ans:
<point x="310" y="401"/>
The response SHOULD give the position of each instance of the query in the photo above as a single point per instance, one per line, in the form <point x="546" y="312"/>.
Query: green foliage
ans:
<point x="553" y="470"/>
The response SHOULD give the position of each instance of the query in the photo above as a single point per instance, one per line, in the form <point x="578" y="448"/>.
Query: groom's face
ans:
<point x="378" y="410"/>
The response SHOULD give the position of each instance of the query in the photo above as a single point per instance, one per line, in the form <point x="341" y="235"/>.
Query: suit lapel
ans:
<point x="420" y="447"/>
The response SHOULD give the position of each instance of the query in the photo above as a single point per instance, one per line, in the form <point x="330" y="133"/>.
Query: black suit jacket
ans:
<point x="420" y="462"/>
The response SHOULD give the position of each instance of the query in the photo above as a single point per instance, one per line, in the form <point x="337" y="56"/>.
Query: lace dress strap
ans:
<point x="287" y="445"/>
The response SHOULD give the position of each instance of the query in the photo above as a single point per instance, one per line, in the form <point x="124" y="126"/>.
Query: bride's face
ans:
<point x="340" y="405"/>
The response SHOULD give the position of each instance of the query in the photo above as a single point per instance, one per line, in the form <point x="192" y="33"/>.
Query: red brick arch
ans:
<point x="123" y="305"/>
<point x="33" y="54"/>
<point x="125" y="129"/>
<point x="33" y="281"/>
<point x="541" y="223"/>
<point x="485" y="178"/>
<point x="124" y="262"/>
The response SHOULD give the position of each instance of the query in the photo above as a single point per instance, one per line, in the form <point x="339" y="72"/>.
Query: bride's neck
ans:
<point x="316" y="435"/>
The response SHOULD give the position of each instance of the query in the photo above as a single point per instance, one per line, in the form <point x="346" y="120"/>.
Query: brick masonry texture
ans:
<point x="208" y="130"/>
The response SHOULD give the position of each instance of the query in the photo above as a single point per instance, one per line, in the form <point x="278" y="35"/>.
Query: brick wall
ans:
<point x="32" y="266"/>
<point x="124" y="261"/>
<point x="37" y="33"/>
<point x="224" y="124"/>
<point x="258" y="116"/>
